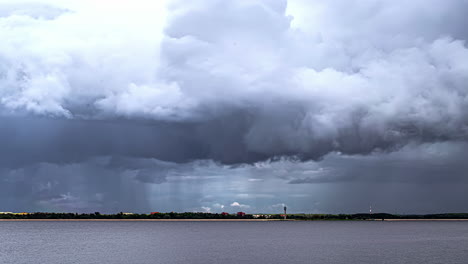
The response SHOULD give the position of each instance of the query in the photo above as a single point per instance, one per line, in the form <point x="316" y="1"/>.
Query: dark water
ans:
<point x="233" y="242"/>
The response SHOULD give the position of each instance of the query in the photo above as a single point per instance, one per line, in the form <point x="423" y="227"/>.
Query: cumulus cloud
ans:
<point x="206" y="209"/>
<point x="274" y="78"/>
<point x="280" y="205"/>
<point x="254" y="196"/>
<point x="218" y="205"/>
<point x="236" y="204"/>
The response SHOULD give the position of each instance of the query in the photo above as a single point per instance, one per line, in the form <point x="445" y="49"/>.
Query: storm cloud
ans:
<point x="163" y="88"/>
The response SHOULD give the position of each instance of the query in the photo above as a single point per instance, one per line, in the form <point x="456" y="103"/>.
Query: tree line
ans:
<point x="199" y="215"/>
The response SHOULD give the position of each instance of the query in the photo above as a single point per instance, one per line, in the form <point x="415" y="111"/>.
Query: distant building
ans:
<point x="224" y="213"/>
<point x="261" y="216"/>
<point x="155" y="213"/>
<point x="128" y="213"/>
<point x="6" y="212"/>
<point x="240" y="214"/>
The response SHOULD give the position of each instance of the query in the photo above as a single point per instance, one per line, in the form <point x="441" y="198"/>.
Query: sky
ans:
<point x="323" y="106"/>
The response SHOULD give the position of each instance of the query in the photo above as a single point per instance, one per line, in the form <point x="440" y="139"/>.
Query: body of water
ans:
<point x="233" y="242"/>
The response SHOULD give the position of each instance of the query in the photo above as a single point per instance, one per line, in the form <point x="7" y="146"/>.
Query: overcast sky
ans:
<point x="326" y="106"/>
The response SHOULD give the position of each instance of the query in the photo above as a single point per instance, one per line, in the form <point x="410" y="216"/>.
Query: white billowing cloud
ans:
<point x="206" y="209"/>
<point x="255" y="180"/>
<point x="280" y="205"/>
<point x="236" y="204"/>
<point x="322" y="75"/>
<point x="254" y="196"/>
<point x="72" y="63"/>
<point x="218" y="206"/>
<point x="141" y="100"/>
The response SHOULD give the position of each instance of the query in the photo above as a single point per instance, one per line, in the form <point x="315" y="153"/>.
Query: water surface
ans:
<point x="233" y="242"/>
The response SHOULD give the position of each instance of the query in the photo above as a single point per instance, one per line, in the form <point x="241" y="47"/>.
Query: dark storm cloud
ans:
<point x="238" y="82"/>
<point x="31" y="140"/>
<point x="75" y="187"/>
<point x="414" y="164"/>
<point x="235" y="138"/>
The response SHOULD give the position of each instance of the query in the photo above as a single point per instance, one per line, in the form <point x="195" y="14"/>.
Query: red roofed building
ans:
<point x="240" y="214"/>
<point x="224" y="213"/>
<point x="154" y="213"/>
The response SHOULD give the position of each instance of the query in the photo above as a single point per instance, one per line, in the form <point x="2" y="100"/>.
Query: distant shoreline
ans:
<point x="220" y="220"/>
<point x="223" y="217"/>
<point x="425" y="220"/>
<point x="143" y="220"/>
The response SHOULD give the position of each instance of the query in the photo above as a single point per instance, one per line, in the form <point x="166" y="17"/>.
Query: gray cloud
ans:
<point x="420" y="164"/>
<point x="337" y="183"/>
<point x="32" y="10"/>
<point x="76" y="187"/>
<point x="264" y="84"/>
